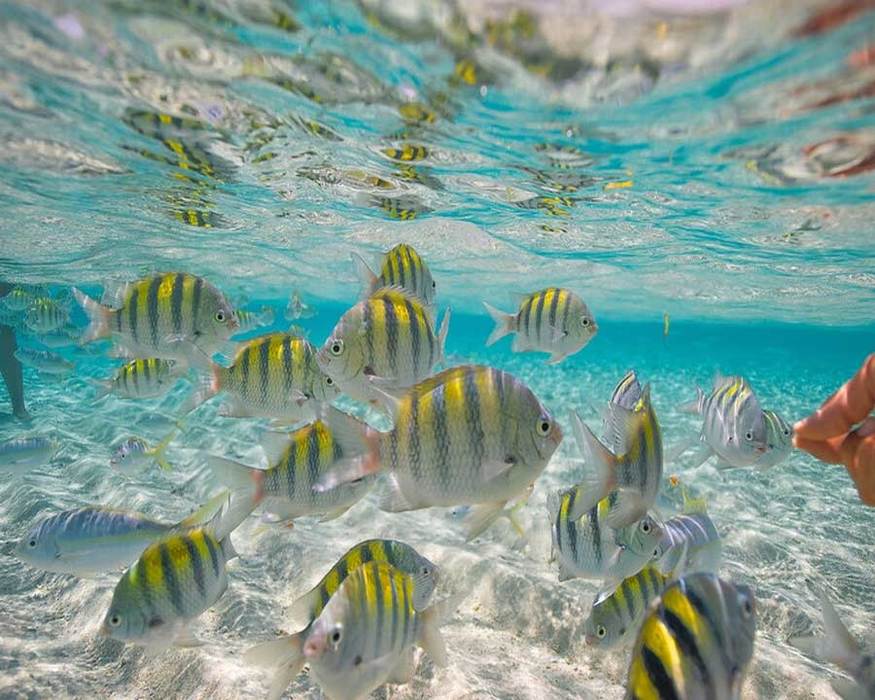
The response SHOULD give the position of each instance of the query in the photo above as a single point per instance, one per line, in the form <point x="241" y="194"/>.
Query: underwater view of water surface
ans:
<point x="238" y="238"/>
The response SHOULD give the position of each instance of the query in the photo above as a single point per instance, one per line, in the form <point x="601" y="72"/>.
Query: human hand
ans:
<point x="828" y="433"/>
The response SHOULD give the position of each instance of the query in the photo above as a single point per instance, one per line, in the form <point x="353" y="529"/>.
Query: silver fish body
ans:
<point x="45" y="315"/>
<point x="44" y="361"/>
<point x="779" y="440"/>
<point x="22" y="453"/>
<point x="693" y="533"/>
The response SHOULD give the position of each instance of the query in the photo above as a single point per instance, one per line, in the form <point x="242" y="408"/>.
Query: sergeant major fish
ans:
<point x="44" y="315"/>
<point x="363" y="638"/>
<point x="95" y="540"/>
<point x="250" y="320"/>
<point x="697" y="642"/>
<point x="401" y="267"/>
<point x="553" y="320"/>
<point x="174" y="580"/>
<point x="141" y="378"/>
<point x="587" y="547"/>
<point x="44" y="361"/>
<point x="297" y="461"/>
<point x="734" y="427"/>
<point x="271" y="376"/>
<point x="838" y="647"/>
<point x="470" y="435"/>
<point x="22" y="453"/>
<point x="174" y="316"/>
<point x="690" y="540"/>
<point x="779" y="440"/>
<point x="388" y="338"/>
<point x="134" y="453"/>
<point x="297" y="309"/>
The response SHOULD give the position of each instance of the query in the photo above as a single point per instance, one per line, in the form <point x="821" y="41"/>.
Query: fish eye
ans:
<point x="336" y="636"/>
<point x="544" y="427"/>
<point x="748" y="435"/>
<point x="115" y="621"/>
<point x="645" y="527"/>
<point x="426" y="571"/>
<point x="786" y="432"/>
<point x="336" y="348"/>
<point x="31" y="544"/>
<point x="656" y="552"/>
<point x="747" y="608"/>
<point x="584" y="321"/>
<point x="329" y="381"/>
<point x="220" y="316"/>
<point x="601" y="632"/>
<point x="433" y="284"/>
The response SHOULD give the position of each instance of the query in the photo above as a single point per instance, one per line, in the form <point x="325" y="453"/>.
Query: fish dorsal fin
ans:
<point x="365" y="274"/>
<point x="397" y="293"/>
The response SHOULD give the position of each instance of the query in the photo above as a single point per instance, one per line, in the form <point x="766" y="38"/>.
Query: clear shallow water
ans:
<point x="686" y="190"/>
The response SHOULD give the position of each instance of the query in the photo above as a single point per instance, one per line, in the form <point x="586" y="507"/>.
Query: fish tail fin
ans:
<point x="102" y="388"/>
<point x="241" y="479"/>
<point x="98" y="317"/>
<point x="430" y="637"/>
<point x="284" y="655"/>
<point x="604" y="463"/>
<point x="696" y="405"/>
<point x="442" y="335"/>
<point x="158" y="451"/>
<point x="503" y="324"/>
<point x="266" y="317"/>
<point x="366" y="275"/>
<point x="836" y="645"/>
<point x="206" y="388"/>
<point x="351" y="470"/>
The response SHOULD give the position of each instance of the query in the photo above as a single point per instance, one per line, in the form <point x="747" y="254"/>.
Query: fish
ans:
<point x="271" y="376"/>
<point x="402" y="556"/>
<point x="587" y="547"/>
<point x="407" y="152"/>
<point x="626" y="394"/>
<point x="43" y="361"/>
<point x="401" y="267"/>
<point x="95" y="540"/>
<point x="250" y="320"/>
<point x="838" y="647"/>
<point x="552" y="320"/>
<point x="689" y="540"/>
<point x="63" y="337"/>
<point x="17" y="300"/>
<point x="617" y="614"/>
<point x="174" y="580"/>
<point x="636" y="468"/>
<point x="389" y="339"/>
<point x="363" y="638"/>
<point x="141" y="378"/>
<point x="779" y="440"/>
<point x="470" y="435"/>
<point x="734" y="428"/>
<point x="45" y="315"/>
<point x="175" y="316"/>
<point x="19" y="454"/>
<point x="697" y="642"/>
<point x="134" y="453"/>
<point x="297" y="309"/>
<point x="297" y="461"/>
<point x="666" y="324"/>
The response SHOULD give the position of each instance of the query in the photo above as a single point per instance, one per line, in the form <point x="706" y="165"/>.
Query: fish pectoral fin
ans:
<point x="334" y="514"/>
<point x="493" y="469"/>
<point x="557" y="356"/>
<point x="392" y="498"/>
<point x="480" y="517"/>
<point x="346" y="471"/>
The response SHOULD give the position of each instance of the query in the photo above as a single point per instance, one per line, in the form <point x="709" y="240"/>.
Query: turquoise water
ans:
<point x="680" y="166"/>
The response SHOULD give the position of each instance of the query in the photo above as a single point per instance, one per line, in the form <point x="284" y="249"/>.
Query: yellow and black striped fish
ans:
<point x="142" y="378"/>
<point x="401" y="267"/>
<point x="407" y="152"/>
<point x="400" y="555"/>
<point x="272" y="376"/>
<point x="389" y="337"/>
<point x="696" y="643"/>
<point x="172" y="316"/>
<point x="154" y="124"/>
<point x="552" y="320"/>
<point x="45" y="315"/>
<point x="615" y="616"/>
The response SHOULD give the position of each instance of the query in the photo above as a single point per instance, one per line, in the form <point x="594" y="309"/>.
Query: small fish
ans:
<point x="636" y="468"/>
<point x="553" y="320"/>
<point x="696" y="643"/>
<point x="838" y="647"/>
<point x="690" y="540"/>
<point x="402" y="267"/>
<point x="407" y="152"/>
<point x="17" y="300"/>
<point x="95" y="540"/>
<point x="734" y="427"/>
<point x="297" y="309"/>
<point x="141" y="378"/>
<point x="45" y="315"/>
<point x="174" y="580"/>
<point x="63" y="337"/>
<point x="250" y="320"/>
<point x="134" y="453"/>
<point x="363" y="638"/>
<point x="587" y="547"/>
<point x="400" y="555"/>
<point x="616" y="615"/>
<point x="175" y="316"/>
<point x="779" y="440"/>
<point x="297" y="461"/>
<point x="271" y="376"/>
<point x="43" y="361"/>
<point x="23" y="453"/>
<point x="666" y="322"/>
<point x="470" y="435"/>
<point x="388" y="338"/>
<point x="626" y="394"/>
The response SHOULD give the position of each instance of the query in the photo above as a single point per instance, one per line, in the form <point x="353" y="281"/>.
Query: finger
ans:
<point x="861" y="467"/>
<point x="848" y="406"/>
<point x="825" y="450"/>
